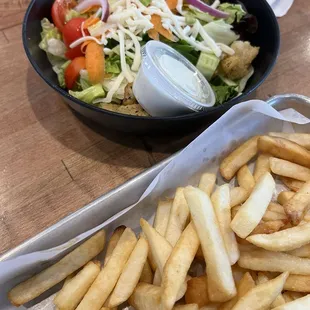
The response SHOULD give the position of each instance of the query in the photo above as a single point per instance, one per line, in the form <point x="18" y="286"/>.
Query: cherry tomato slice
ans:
<point x="72" y="53"/>
<point x="72" y="30"/>
<point x="59" y="11"/>
<point x="72" y="72"/>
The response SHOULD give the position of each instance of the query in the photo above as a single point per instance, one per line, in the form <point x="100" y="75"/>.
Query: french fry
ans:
<point x="238" y="158"/>
<point x="292" y="184"/>
<point x="287" y="297"/>
<point x="247" y="248"/>
<point x="147" y="274"/>
<point x="54" y="274"/>
<point x="284" y="240"/>
<point x="177" y="266"/>
<point x="238" y="273"/>
<point x="275" y="207"/>
<point x="238" y="195"/>
<point x="263" y="278"/>
<point x="262" y="260"/>
<point x="72" y="293"/>
<point x="157" y="278"/>
<point x="186" y="307"/>
<point x="299" y="204"/>
<point x="211" y="306"/>
<point x="246" y="284"/>
<point x="263" y="295"/>
<point x="245" y="178"/>
<point x="160" y="247"/>
<point x="108" y="276"/>
<point x="221" y="286"/>
<point x="284" y="196"/>
<point x="234" y="211"/>
<point x="162" y="216"/>
<point x="105" y="308"/>
<point x="130" y="275"/>
<point x="207" y="182"/>
<point x="297" y="283"/>
<point x="221" y="203"/>
<point x="268" y="227"/>
<point x="199" y="254"/>
<point x="113" y="242"/>
<point x="300" y="304"/>
<point x="296" y="295"/>
<point x="288" y="169"/>
<point x="284" y="149"/>
<point x="303" y="251"/>
<point x="253" y="210"/>
<point x="302" y="139"/>
<point x="262" y="166"/>
<point x="197" y="291"/>
<point x="274" y="216"/>
<point x="177" y="220"/>
<point x="67" y="280"/>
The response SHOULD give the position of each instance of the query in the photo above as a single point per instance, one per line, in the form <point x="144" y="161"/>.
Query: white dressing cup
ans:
<point x="168" y="84"/>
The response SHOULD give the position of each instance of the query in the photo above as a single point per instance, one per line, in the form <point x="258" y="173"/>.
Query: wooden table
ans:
<point x="51" y="164"/>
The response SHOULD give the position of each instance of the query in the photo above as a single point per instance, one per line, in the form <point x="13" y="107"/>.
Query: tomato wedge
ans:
<point x="72" y="53"/>
<point x="59" y="11"/>
<point x="72" y="30"/>
<point x="72" y="72"/>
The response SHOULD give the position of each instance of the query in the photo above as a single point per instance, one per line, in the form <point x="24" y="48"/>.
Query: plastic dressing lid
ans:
<point x="177" y="76"/>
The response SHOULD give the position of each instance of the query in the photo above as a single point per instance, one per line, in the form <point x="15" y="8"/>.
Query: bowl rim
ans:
<point x="194" y="115"/>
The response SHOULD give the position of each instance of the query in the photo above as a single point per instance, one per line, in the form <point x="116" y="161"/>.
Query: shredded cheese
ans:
<point x="124" y="66"/>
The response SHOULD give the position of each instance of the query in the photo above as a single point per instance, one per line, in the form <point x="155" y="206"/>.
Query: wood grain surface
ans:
<point x="52" y="164"/>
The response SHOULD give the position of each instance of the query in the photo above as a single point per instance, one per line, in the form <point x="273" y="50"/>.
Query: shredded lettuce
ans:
<point x="223" y="93"/>
<point x="51" y="40"/>
<point x="235" y="11"/>
<point x="113" y="64"/>
<point x="89" y="94"/>
<point x="221" y="32"/>
<point x="60" y="71"/>
<point x="73" y="13"/>
<point x="194" y="13"/>
<point x="146" y="2"/>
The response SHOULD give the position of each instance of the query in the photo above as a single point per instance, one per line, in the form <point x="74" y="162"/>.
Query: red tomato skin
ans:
<point x="59" y="10"/>
<point x="72" y="30"/>
<point x="72" y="53"/>
<point x="72" y="72"/>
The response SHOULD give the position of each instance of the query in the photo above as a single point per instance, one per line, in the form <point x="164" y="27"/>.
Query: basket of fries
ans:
<point x="224" y="225"/>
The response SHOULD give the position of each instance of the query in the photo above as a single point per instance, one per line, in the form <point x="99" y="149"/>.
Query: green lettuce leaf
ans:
<point x="88" y="95"/>
<point x="60" y="71"/>
<point x="72" y="14"/>
<point x="113" y="64"/>
<point x="191" y="14"/>
<point x="235" y="11"/>
<point x="146" y="2"/>
<point x="221" y="32"/>
<point x="223" y="93"/>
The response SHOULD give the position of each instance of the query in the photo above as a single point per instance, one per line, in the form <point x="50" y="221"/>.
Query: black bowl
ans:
<point x="267" y="37"/>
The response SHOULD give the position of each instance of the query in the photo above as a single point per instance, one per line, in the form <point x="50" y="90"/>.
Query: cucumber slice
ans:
<point x="207" y="64"/>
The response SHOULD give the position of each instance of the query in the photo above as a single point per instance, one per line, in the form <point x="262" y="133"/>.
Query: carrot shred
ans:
<point x="172" y="4"/>
<point x="156" y="21"/>
<point x="91" y="8"/>
<point x="153" y="34"/>
<point x="90" y="21"/>
<point x="95" y="62"/>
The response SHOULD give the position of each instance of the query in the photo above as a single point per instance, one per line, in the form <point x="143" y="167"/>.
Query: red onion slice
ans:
<point x="84" y="4"/>
<point x="207" y="9"/>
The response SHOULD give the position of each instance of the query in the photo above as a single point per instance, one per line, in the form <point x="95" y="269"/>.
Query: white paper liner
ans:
<point x="203" y="154"/>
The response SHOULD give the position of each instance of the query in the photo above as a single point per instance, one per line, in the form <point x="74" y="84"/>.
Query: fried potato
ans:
<point x="245" y="178"/>
<point x="284" y="196"/>
<point x="300" y="304"/>
<point x="292" y="184"/>
<point x="263" y="295"/>
<point x="263" y="278"/>
<point x="303" y="251"/>
<point x="199" y="254"/>
<point x="297" y="283"/>
<point x="160" y="247"/>
<point x="275" y="207"/>
<point x="108" y="276"/>
<point x="284" y="149"/>
<point x="288" y="169"/>
<point x="262" y="166"/>
<point x="186" y="307"/>
<point x="54" y="274"/>
<point x="268" y="227"/>
<point x="130" y="275"/>
<point x="262" y="260"/>
<point x="284" y="240"/>
<point x="299" y="204"/>
<point x="221" y="203"/>
<point x="221" y="286"/>
<point x="211" y="306"/>
<point x="162" y="216"/>
<point x="207" y="182"/>
<point x="238" y="273"/>
<point x="178" y="217"/>
<point x="296" y="295"/>
<point x="287" y="297"/>
<point x="147" y="274"/>
<point x="113" y="242"/>
<point x="234" y="211"/>
<point x="157" y="278"/>
<point x="177" y="266"/>
<point x="253" y="210"/>
<point x="146" y="297"/>
<point x="246" y="284"/>
<point x="238" y="158"/>
<point x="238" y="195"/>
<point x="274" y="216"/>
<point x="302" y="139"/>
<point x="197" y="291"/>
<point x="72" y="293"/>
